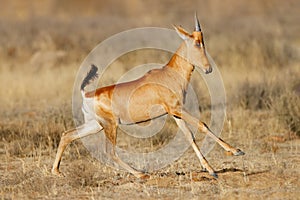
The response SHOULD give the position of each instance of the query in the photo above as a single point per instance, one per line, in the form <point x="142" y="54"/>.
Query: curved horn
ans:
<point x="197" y="24"/>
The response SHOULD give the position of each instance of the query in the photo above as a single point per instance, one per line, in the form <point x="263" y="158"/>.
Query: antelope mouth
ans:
<point x="206" y="70"/>
<point x="209" y="70"/>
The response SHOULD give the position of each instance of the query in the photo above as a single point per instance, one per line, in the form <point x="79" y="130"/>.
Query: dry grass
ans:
<point x="256" y="46"/>
<point x="287" y="108"/>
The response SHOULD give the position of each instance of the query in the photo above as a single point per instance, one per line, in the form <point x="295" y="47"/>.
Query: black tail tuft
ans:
<point x="91" y="75"/>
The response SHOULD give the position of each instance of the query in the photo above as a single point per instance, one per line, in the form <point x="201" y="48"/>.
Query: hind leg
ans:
<point x="84" y="130"/>
<point x="124" y="165"/>
<point x="111" y="135"/>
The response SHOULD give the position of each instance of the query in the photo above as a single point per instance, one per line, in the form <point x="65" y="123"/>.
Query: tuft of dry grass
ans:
<point x="287" y="108"/>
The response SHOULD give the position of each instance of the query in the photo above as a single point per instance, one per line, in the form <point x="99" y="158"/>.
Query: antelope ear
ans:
<point x="181" y="32"/>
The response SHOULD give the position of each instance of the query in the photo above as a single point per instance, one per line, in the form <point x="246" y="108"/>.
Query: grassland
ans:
<point x="255" y="45"/>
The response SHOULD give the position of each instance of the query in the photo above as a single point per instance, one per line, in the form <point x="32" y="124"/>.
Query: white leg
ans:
<point x="111" y="136"/>
<point x="181" y="124"/>
<point x="130" y="169"/>
<point x="204" y="128"/>
<point x="90" y="127"/>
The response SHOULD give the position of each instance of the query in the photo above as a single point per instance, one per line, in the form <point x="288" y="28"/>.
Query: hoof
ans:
<point x="214" y="174"/>
<point x="57" y="173"/>
<point x="239" y="153"/>
<point x="203" y="170"/>
<point x="144" y="177"/>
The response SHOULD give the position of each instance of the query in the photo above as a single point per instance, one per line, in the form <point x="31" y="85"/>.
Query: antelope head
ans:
<point x="195" y="52"/>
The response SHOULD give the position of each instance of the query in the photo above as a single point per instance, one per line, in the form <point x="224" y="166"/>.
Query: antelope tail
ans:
<point x="90" y="76"/>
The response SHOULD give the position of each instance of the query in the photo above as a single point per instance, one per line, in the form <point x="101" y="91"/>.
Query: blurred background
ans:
<point x="72" y="28"/>
<point x="255" y="44"/>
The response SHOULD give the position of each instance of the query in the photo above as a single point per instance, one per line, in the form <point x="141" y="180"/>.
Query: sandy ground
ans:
<point x="256" y="46"/>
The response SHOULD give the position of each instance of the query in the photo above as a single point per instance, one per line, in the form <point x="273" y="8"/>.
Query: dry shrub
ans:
<point x="252" y="96"/>
<point x="287" y="108"/>
<point x="25" y="132"/>
<point x="255" y="96"/>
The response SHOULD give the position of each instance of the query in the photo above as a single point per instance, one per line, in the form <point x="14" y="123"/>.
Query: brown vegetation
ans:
<point x="255" y="45"/>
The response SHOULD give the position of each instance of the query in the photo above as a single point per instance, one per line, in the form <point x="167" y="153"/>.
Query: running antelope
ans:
<point x="136" y="101"/>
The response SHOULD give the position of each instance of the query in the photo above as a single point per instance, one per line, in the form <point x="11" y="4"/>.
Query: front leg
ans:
<point x="202" y="127"/>
<point x="181" y="124"/>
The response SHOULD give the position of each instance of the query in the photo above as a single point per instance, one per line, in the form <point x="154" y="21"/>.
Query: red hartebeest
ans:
<point x="133" y="102"/>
